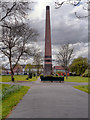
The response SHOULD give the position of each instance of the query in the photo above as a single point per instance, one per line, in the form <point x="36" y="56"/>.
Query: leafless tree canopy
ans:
<point x="14" y="41"/>
<point x="16" y="33"/>
<point x="16" y="9"/>
<point x="37" y="59"/>
<point x="64" y="56"/>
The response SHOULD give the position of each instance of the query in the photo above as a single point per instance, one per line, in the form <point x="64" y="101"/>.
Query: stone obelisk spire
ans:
<point x="48" y="54"/>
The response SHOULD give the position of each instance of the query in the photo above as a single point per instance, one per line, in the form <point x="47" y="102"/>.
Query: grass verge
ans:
<point x="85" y="88"/>
<point x="11" y="100"/>
<point x="76" y="79"/>
<point x="7" y="78"/>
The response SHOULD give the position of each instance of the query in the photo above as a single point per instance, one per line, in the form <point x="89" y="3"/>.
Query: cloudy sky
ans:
<point x="65" y="26"/>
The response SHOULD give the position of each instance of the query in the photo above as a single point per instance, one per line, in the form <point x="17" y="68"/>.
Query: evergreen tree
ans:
<point x="79" y="65"/>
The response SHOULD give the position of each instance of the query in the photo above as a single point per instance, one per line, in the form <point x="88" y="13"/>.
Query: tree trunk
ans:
<point x="66" y="75"/>
<point x="38" y="70"/>
<point x="12" y="74"/>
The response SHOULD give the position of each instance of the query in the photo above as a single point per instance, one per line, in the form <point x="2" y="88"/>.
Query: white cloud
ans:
<point x="81" y="49"/>
<point x="65" y="27"/>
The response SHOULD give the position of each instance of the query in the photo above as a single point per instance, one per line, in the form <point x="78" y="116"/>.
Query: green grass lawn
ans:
<point x="12" y="98"/>
<point x="7" y="78"/>
<point x="76" y="79"/>
<point x="3" y="86"/>
<point x="85" y="88"/>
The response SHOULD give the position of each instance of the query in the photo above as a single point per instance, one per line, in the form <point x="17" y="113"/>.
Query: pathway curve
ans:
<point x="52" y="100"/>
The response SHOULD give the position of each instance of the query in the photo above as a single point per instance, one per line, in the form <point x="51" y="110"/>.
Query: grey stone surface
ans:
<point x="52" y="100"/>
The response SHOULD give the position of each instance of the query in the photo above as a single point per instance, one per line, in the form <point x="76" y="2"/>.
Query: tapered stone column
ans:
<point x="48" y="54"/>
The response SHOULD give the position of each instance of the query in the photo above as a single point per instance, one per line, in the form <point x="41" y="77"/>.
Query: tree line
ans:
<point x="17" y="34"/>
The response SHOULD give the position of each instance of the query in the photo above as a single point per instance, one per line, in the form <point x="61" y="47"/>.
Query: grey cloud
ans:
<point x="61" y="31"/>
<point x="65" y="28"/>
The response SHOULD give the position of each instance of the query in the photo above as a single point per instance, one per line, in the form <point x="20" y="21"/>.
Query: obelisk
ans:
<point x="48" y="53"/>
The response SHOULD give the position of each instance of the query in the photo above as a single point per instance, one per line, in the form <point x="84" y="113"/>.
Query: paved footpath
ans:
<point x="52" y="100"/>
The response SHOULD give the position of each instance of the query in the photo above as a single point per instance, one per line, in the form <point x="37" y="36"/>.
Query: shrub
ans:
<point x="86" y="73"/>
<point x="56" y="74"/>
<point x="48" y="75"/>
<point x="41" y="75"/>
<point x="52" y="78"/>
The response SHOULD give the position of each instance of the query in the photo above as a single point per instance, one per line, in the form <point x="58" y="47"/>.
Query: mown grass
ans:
<point x="85" y="88"/>
<point x="12" y="99"/>
<point x="7" y="78"/>
<point x="4" y="86"/>
<point x="76" y="79"/>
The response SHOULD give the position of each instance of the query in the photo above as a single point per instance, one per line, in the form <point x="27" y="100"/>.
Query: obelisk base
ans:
<point x="48" y="69"/>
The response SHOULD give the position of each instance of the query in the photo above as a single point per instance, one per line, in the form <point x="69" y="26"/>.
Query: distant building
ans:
<point x="18" y="69"/>
<point x="59" y="70"/>
<point x="36" y="68"/>
<point x="5" y="72"/>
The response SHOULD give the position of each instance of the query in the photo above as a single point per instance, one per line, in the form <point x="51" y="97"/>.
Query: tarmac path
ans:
<point x="51" y="100"/>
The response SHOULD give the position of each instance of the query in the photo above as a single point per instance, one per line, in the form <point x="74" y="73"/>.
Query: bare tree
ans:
<point x="16" y="34"/>
<point x="37" y="59"/>
<point x="16" y="9"/>
<point x="64" y="56"/>
<point x="14" y="42"/>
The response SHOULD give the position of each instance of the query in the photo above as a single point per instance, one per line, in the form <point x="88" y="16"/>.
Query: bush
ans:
<point x="86" y="73"/>
<point x="52" y="78"/>
<point x="34" y="75"/>
<point x="48" y="75"/>
<point x="56" y="74"/>
<point x="41" y="75"/>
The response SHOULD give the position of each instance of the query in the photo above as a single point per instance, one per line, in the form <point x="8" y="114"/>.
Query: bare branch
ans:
<point x="79" y="17"/>
<point x="64" y="56"/>
<point x="58" y="5"/>
<point x="74" y="3"/>
<point x="15" y="39"/>
<point x="8" y="11"/>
